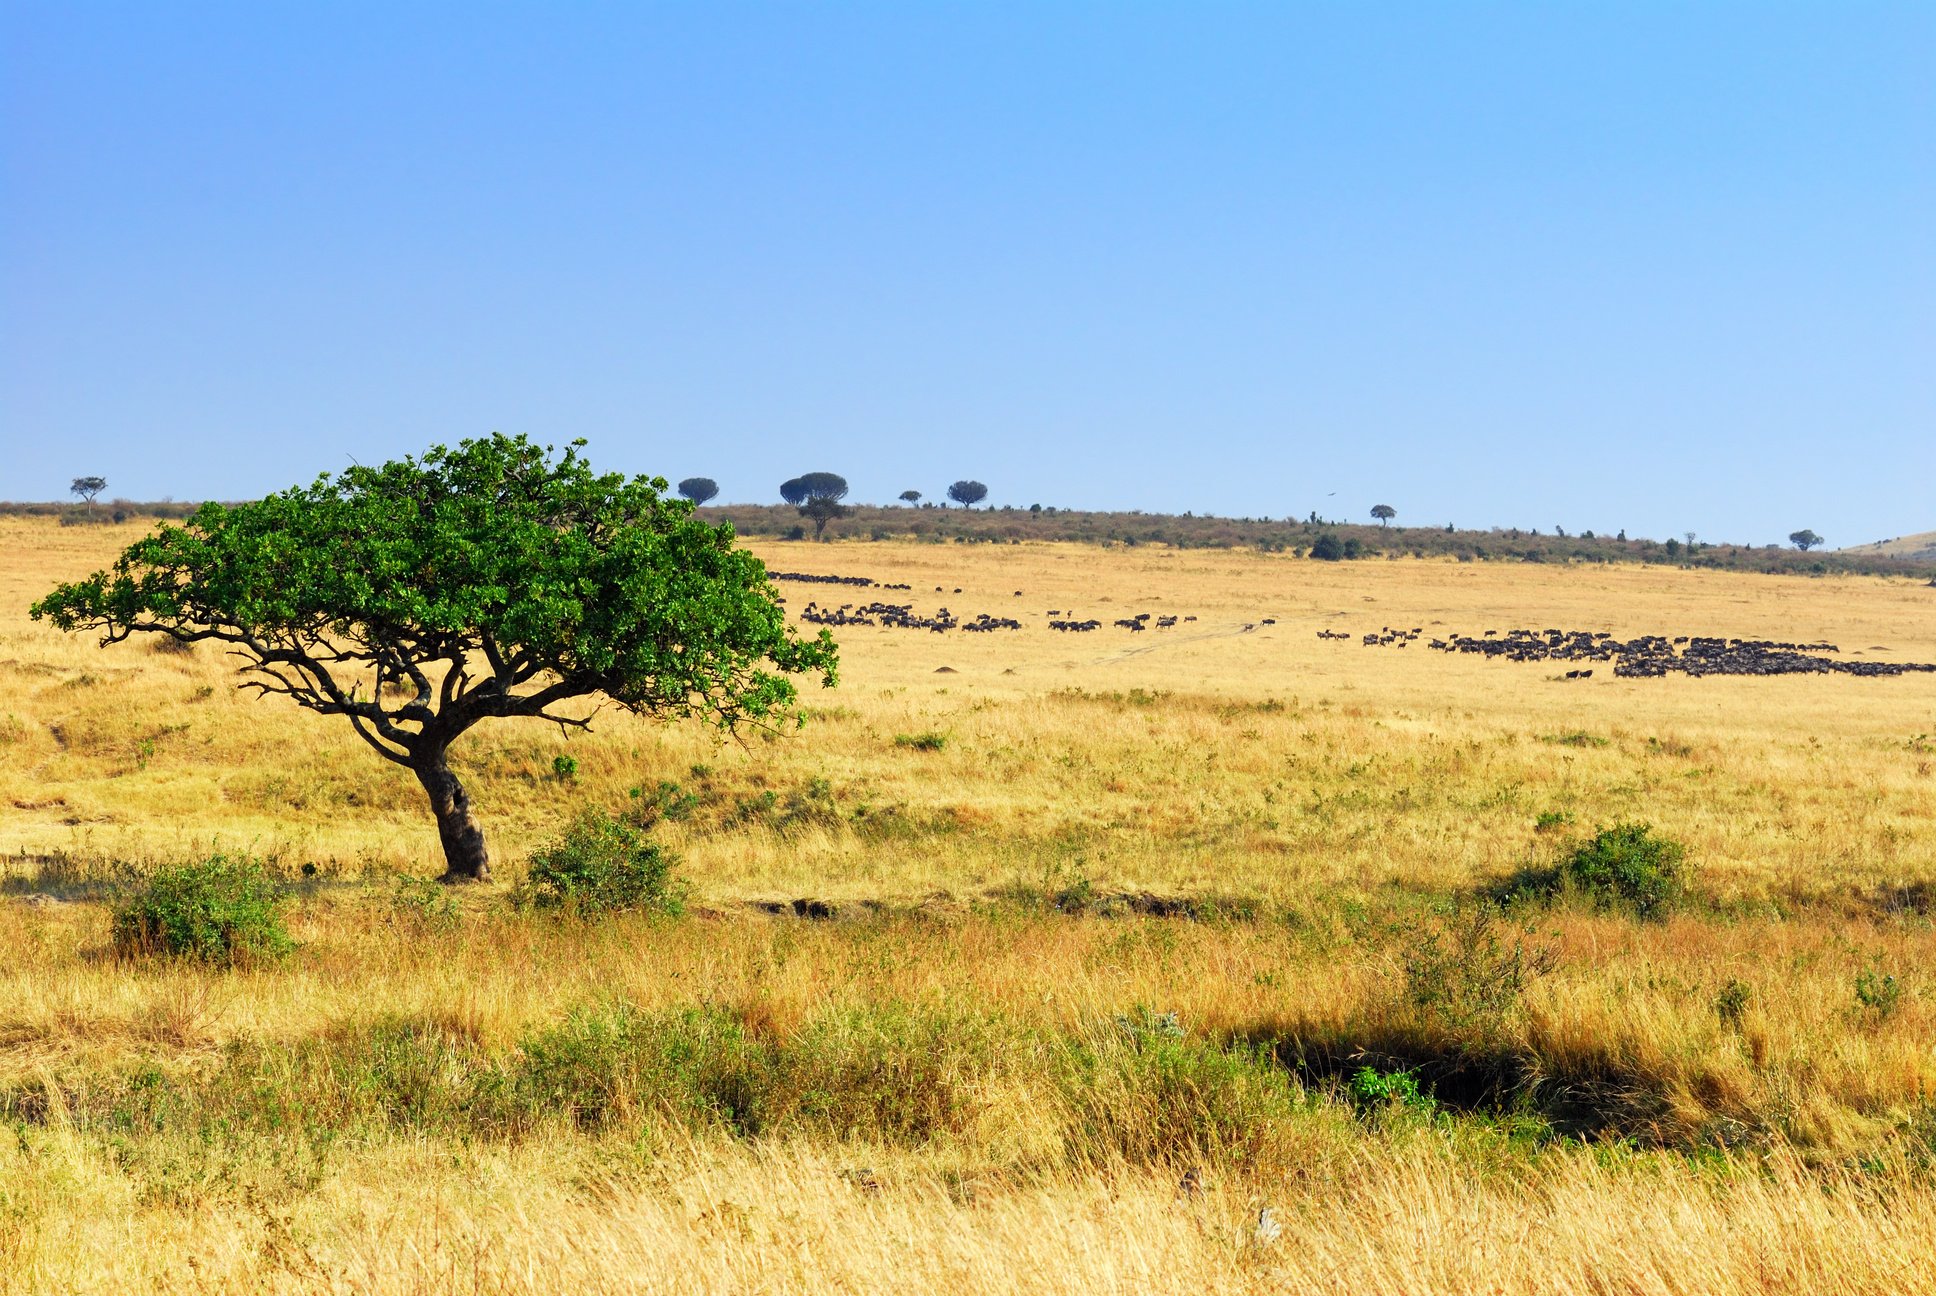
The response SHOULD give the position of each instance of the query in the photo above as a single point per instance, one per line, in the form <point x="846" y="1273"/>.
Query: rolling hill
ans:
<point x="1919" y="546"/>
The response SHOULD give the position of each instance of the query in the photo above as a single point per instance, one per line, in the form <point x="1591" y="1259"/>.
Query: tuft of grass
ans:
<point x="927" y="741"/>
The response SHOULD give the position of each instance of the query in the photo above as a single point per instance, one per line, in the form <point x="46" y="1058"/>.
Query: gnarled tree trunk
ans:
<point x="465" y="858"/>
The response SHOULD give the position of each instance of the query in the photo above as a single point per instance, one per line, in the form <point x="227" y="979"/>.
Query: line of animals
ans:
<point x="810" y="578"/>
<point x="901" y="616"/>
<point x="1645" y="657"/>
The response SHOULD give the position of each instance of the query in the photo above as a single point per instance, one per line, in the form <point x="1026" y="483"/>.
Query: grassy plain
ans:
<point x="1144" y="912"/>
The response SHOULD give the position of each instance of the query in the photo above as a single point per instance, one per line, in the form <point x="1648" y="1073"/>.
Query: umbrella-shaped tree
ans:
<point x="419" y="598"/>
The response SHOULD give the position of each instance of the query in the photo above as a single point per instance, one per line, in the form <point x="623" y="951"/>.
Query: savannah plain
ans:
<point x="1177" y="961"/>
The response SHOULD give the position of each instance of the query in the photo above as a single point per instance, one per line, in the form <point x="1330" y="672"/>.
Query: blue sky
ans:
<point x="1665" y="267"/>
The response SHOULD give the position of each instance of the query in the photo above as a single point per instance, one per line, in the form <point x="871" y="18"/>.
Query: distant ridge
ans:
<point x="1919" y="546"/>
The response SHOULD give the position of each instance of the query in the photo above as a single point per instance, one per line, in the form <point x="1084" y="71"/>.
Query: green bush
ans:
<point x="928" y="741"/>
<point x="1731" y="1004"/>
<point x="219" y="910"/>
<point x="1371" y="1090"/>
<point x="1467" y="973"/>
<point x="611" y="1063"/>
<point x="1628" y="866"/>
<point x="604" y="865"/>
<point x="1879" y="993"/>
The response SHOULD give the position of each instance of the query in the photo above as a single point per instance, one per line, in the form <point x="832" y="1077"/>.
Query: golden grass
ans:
<point x="1339" y="794"/>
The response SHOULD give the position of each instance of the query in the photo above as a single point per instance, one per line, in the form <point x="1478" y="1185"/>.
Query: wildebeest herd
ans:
<point x="901" y="616"/>
<point x="1647" y="656"/>
<point x="1643" y="657"/>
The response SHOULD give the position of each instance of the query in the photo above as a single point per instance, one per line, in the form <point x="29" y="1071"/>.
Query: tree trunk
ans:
<point x="465" y="859"/>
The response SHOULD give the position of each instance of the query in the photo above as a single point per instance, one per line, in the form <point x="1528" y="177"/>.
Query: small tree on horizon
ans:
<point x="967" y="493"/>
<point x="818" y="496"/>
<point x="1384" y="513"/>
<point x="493" y="580"/>
<point x="911" y="497"/>
<point x="87" y="488"/>
<point x="1804" y="540"/>
<point x="699" y="489"/>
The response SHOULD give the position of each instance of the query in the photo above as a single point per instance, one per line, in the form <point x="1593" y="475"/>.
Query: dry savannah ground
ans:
<point x="1188" y="959"/>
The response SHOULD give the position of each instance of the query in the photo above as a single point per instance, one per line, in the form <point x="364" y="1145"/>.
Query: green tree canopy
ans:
<point x="967" y="493"/>
<point x="821" y="486"/>
<point x="818" y="495"/>
<point x="699" y="489"/>
<point x="423" y="596"/>
<point x="1804" y="540"/>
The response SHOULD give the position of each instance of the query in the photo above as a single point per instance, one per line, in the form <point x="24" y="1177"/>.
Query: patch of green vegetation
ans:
<point x="1628" y="867"/>
<point x="1878" y="993"/>
<point x="1575" y="738"/>
<point x="1469" y="971"/>
<point x="218" y="910"/>
<point x="604" y="865"/>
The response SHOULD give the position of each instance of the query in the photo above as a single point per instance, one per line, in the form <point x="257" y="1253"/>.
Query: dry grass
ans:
<point x="1332" y="798"/>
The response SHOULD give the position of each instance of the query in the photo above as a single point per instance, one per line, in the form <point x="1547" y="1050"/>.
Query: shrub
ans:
<point x="564" y="768"/>
<point x="1878" y="993"/>
<point x="604" y="865"/>
<point x="1627" y="866"/>
<point x="609" y="1063"/>
<point x="1464" y="973"/>
<point x="1731" y="1004"/>
<point x="219" y="910"/>
<point x="929" y="741"/>
<point x="1327" y="548"/>
<point x="1371" y="1089"/>
<point x="423" y="903"/>
<point x="666" y="801"/>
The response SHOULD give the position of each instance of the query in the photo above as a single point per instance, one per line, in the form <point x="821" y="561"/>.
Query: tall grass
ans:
<point x="1058" y="1005"/>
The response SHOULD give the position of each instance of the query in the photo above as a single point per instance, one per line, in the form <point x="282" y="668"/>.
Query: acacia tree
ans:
<point x="967" y="493"/>
<point x="1384" y="513"/>
<point x="1804" y="540"/>
<point x="699" y="489"/>
<point x="421" y="597"/>
<point x="818" y="496"/>
<point x="87" y="488"/>
<point x="911" y="497"/>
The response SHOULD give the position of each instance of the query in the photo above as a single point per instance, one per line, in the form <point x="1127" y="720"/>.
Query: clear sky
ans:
<point x="1669" y="267"/>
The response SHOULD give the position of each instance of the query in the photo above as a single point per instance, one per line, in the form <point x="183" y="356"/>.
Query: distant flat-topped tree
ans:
<point x="818" y="496"/>
<point x="421" y="597"/>
<point x="967" y="493"/>
<point x="699" y="489"/>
